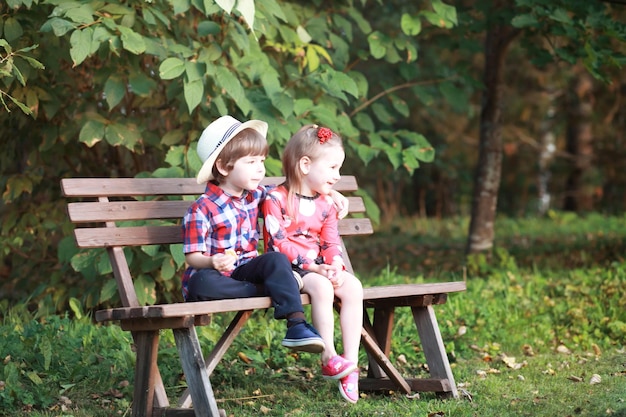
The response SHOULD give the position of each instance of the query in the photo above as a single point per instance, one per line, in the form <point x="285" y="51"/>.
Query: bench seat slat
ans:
<point x="386" y="292"/>
<point x="98" y="237"/>
<point x="128" y="187"/>
<point x="88" y="212"/>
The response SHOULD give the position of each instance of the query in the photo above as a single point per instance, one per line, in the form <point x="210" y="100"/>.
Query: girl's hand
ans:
<point x="333" y="273"/>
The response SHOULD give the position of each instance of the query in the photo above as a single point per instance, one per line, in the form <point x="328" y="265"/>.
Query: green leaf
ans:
<point x="167" y="269"/>
<point x="91" y="133"/>
<point x="446" y="12"/>
<point x="312" y="59"/>
<point x="194" y="71"/>
<point x="80" y="42"/>
<point x="194" y="91"/>
<point x="171" y="68"/>
<point x="226" y="5"/>
<point x="410" y="25"/>
<point x="82" y="15"/>
<point x="303" y="34"/>
<point x="283" y="103"/>
<point x="132" y="41"/>
<point x="12" y="29"/>
<point x="377" y="48"/>
<point x="247" y="10"/>
<point x="108" y="290"/>
<point x="126" y="135"/>
<point x="176" y="250"/>
<point x="58" y="26"/>
<point x="172" y="137"/>
<point x="141" y="84"/>
<point x="231" y="84"/>
<point x="524" y="20"/>
<point x="208" y="27"/>
<point x="176" y="154"/>
<point x="145" y="288"/>
<point x="114" y="91"/>
<point x="76" y="307"/>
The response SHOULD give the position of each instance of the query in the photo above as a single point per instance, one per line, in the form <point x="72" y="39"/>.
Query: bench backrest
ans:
<point x="116" y="212"/>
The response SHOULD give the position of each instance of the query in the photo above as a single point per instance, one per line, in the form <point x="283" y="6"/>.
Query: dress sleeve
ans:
<point x="275" y="224"/>
<point x="330" y="241"/>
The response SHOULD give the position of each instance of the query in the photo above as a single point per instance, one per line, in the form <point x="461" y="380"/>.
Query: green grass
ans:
<point x="525" y="339"/>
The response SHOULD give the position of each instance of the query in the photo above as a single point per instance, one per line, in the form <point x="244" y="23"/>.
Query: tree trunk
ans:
<point x="489" y="168"/>
<point x="579" y="137"/>
<point x="547" y="141"/>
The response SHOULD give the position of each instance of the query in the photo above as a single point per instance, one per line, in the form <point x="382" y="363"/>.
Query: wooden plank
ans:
<point x="130" y="187"/>
<point x="220" y="348"/>
<point x="410" y="301"/>
<point x="253" y="303"/>
<point x="92" y="211"/>
<point x="374" y="352"/>
<point x="405" y="290"/>
<point x="416" y="384"/>
<point x="433" y="346"/>
<point x="146" y="371"/>
<point x="98" y="237"/>
<point x="196" y="375"/>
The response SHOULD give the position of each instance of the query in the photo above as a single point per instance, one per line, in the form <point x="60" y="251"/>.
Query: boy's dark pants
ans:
<point x="268" y="274"/>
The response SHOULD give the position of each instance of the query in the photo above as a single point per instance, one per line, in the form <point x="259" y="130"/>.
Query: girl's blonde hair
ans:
<point x="309" y="141"/>
<point x="248" y="142"/>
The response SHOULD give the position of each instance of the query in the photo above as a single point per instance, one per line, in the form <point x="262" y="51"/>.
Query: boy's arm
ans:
<point x="341" y="203"/>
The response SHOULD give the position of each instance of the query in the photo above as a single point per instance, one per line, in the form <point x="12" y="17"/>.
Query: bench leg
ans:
<point x="221" y="347"/>
<point x="379" y="360"/>
<point x="381" y="331"/>
<point x="434" y="349"/>
<point x="192" y="360"/>
<point x="146" y="371"/>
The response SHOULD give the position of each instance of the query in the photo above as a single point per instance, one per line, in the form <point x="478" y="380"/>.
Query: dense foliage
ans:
<point x="96" y="88"/>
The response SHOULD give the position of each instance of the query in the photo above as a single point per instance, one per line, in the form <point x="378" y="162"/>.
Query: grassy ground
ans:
<point x="541" y="331"/>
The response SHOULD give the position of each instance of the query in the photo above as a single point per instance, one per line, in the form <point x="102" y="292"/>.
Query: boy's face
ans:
<point x="246" y="174"/>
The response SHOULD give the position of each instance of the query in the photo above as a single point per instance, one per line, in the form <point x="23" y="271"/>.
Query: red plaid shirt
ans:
<point x="218" y="221"/>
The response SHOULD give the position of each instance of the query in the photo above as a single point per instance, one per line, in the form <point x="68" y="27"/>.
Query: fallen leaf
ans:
<point x="596" y="349"/>
<point x="595" y="379"/>
<point x="263" y="409"/>
<point x="244" y="357"/>
<point x="575" y="378"/>
<point x="563" y="349"/>
<point x="528" y="350"/>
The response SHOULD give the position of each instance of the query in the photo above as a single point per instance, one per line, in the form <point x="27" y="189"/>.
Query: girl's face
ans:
<point x="321" y="173"/>
<point x="246" y="174"/>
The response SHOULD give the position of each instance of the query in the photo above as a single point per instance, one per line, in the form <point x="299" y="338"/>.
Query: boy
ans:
<point x="221" y="231"/>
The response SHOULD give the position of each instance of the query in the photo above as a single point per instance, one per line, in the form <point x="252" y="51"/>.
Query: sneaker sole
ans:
<point x="340" y="375"/>
<point x="305" y="345"/>
<point x="345" y="396"/>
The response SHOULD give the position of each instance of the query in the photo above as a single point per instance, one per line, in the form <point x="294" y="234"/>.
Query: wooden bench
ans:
<point x="104" y="208"/>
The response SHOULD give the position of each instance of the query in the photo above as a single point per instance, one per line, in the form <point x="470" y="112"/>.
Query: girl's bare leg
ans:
<point x="320" y="289"/>
<point x="351" y="315"/>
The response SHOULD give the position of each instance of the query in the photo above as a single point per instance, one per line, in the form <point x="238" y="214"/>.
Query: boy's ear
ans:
<point x="305" y="164"/>
<point x="221" y="168"/>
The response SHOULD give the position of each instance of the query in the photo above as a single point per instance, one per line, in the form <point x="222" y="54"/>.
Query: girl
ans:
<point x="301" y="222"/>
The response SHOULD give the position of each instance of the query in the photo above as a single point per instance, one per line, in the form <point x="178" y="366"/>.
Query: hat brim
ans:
<point x="206" y="171"/>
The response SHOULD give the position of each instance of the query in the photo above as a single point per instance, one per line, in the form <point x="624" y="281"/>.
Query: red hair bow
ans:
<point x="324" y="134"/>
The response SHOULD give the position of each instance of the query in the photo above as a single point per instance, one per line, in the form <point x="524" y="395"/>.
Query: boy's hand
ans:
<point x="341" y="203"/>
<point x="224" y="262"/>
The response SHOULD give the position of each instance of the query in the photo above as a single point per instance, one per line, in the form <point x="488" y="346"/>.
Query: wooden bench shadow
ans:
<point x="101" y="208"/>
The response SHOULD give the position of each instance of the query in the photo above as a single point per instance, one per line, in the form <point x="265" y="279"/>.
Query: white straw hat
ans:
<point x="215" y="136"/>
